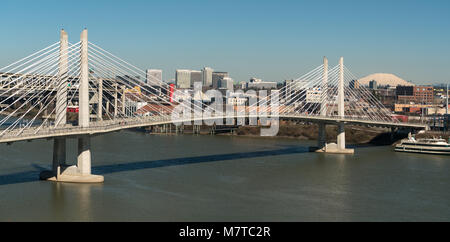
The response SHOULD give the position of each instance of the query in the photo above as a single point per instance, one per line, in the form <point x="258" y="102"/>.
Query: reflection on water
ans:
<point x="73" y="200"/>
<point x="212" y="178"/>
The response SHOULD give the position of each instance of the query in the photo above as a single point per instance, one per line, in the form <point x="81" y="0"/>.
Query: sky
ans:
<point x="272" y="40"/>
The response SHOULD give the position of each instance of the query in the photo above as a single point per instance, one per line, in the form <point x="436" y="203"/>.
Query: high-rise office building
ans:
<point x="373" y="85"/>
<point x="154" y="77"/>
<point x="227" y="83"/>
<point x="196" y="76"/>
<point x="217" y="78"/>
<point x="354" y="84"/>
<point x="154" y="80"/>
<point x="207" y="76"/>
<point x="183" y="79"/>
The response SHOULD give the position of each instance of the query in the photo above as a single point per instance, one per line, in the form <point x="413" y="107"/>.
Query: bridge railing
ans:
<point x="94" y="126"/>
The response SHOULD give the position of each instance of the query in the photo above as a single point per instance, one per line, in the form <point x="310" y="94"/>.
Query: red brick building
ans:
<point x="417" y="94"/>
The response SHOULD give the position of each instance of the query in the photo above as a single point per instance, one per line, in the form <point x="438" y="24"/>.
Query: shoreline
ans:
<point x="356" y="136"/>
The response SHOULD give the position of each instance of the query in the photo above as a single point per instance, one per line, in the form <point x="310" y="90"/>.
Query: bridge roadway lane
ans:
<point x="102" y="127"/>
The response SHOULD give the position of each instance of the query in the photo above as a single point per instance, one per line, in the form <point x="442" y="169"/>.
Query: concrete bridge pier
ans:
<point x="84" y="155"/>
<point x="59" y="160"/>
<point x="341" y="136"/>
<point x="81" y="173"/>
<point x="333" y="148"/>
<point x="340" y="147"/>
<point x="322" y="140"/>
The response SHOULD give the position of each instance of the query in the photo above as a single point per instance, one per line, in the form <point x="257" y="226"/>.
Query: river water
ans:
<point x="218" y="178"/>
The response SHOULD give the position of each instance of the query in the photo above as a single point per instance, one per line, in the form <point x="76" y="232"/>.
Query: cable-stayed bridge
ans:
<point x="78" y="90"/>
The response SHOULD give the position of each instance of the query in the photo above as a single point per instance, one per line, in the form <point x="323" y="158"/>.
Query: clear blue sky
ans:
<point x="273" y="40"/>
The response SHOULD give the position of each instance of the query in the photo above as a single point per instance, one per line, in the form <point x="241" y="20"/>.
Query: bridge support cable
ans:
<point x="97" y="75"/>
<point x="16" y="65"/>
<point x="112" y="68"/>
<point x="384" y="112"/>
<point x="33" y="70"/>
<point x="302" y="104"/>
<point x="42" y="72"/>
<point x="56" y="84"/>
<point x="23" y="105"/>
<point x="11" y="72"/>
<point x="47" y="91"/>
<point x="47" y="67"/>
<point x="101" y="93"/>
<point x="99" y="72"/>
<point x="290" y="99"/>
<point x="119" y="67"/>
<point x="316" y="108"/>
<point x="61" y="74"/>
<point x="360" y="106"/>
<point x="45" y="104"/>
<point x="46" y="121"/>
<point x="124" y="65"/>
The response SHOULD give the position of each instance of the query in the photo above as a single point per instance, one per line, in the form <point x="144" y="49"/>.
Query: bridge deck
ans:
<point x="102" y="127"/>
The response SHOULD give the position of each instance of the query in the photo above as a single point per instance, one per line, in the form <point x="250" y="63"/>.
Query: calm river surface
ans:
<point x="213" y="178"/>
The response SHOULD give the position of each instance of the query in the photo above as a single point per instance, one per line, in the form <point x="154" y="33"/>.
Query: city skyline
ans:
<point x="405" y="38"/>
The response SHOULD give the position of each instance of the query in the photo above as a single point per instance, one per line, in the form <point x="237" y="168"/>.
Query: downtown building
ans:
<point x="196" y="76"/>
<point x="183" y="79"/>
<point x="259" y="84"/>
<point x="153" y="77"/>
<point x="217" y="78"/>
<point x="207" y="77"/>
<point x="154" y="80"/>
<point x="415" y="94"/>
<point x="227" y="83"/>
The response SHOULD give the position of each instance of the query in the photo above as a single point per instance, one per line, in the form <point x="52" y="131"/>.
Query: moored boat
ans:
<point x="424" y="146"/>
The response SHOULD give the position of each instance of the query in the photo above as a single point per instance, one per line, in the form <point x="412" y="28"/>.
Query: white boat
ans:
<point x="424" y="146"/>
